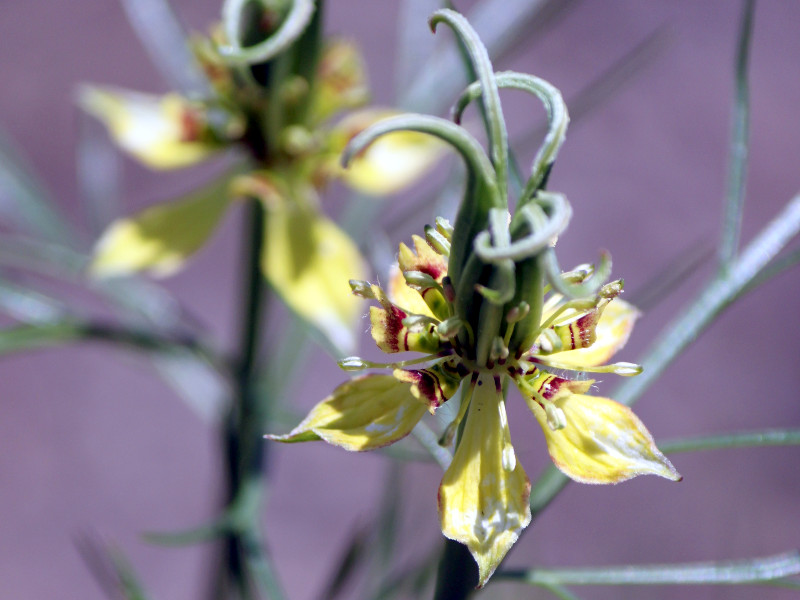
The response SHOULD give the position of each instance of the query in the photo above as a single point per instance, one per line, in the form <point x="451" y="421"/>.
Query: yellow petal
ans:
<point x="389" y="330"/>
<point x="603" y="441"/>
<point x="363" y="414"/>
<point x="163" y="132"/>
<point x="483" y="497"/>
<point x="612" y="332"/>
<point x="405" y="296"/>
<point x="160" y="239"/>
<point x="393" y="162"/>
<point x="308" y="260"/>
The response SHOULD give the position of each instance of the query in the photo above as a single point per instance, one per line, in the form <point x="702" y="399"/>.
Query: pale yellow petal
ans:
<point x="405" y="296"/>
<point x="612" y="331"/>
<point x="163" y="132"/>
<point x="341" y="80"/>
<point x="160" y="239"/>
<point x="363" y="414"/>
<point x="308" y="260"/>
<point x="393" y="162"/>
<point x="483" y="497"/>
<point x="602" y="442"/>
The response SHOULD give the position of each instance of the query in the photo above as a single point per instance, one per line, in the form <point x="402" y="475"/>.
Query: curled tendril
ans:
<point x="293" y="25"/>
<point x="557" y="116"/>
<point x="487" y="86"/>
<point x="589" y="287"/>
<point x="466" y="145"/>
<point x="544" y="219"/>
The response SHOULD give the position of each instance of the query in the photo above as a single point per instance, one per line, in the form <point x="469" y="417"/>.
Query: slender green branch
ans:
<point x="41" y="335"/>
<point x="733" y="572"/>
<point x="747" y="439"/>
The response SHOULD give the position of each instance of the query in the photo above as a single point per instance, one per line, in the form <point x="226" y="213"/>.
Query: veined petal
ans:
<point x="163" y="132"/>
<point x="426" y="260"/>
<point x="390" y="332"/>
<point x="392" y="162"/>
<point x="611" y="332"/>
<point x="308" y="260"/>
<point x="160" y="239"/>
<point x="481" y="503"/>
<point x="434" y="385"/>
<point x="363" y="414"/>
<point x="603" y="441"/>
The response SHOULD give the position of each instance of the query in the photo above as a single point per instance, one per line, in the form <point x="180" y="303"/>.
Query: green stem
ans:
<point x="458" y="573"/>
<point x="245" y="566"/>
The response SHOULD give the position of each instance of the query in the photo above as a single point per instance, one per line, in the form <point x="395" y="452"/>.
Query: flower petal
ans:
<point x="611" y="333"/>
<point x="603" y="441"/>
<point x="308" y="260"/>
<point x="363" y="414"/>
<point x="390" y="332"/>
<point x="160" y="239"/>
<point x="482" y="503"/>
<point x="391" y="163"/>
<point x="163" y="132"/>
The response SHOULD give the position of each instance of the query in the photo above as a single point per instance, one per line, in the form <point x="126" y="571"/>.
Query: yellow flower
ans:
<point x="307" y="258"/>
<point x="484" y="494"/>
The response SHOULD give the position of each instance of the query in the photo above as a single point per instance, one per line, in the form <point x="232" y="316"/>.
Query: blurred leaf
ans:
<point x="112" y="571"/>
<point x="25" y="202"/>
<point x="200" y="385"/>
<point x="98" y="172"/>
<point x="737" y="157"/>
<point x="164" y="38"/>
<point x="27" y="305"/>
<point x="755" y="570"/>
<point x="351" y="557"/>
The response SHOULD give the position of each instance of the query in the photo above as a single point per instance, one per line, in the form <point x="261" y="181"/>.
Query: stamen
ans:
<point x="625" y="369"/>
<point x="362" y="289"/>
<point x="450" y="431"/>
<point x="556" y="419"/>
<point x="354" y="363"/>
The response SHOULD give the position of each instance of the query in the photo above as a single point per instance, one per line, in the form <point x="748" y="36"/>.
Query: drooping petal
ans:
<point x="483" y="499"/>
<point x="363" y="414"/>
<point x="434" y="385"/>
<point x="602" y="442"/>
<point x="391" y="333"/>
<point x="308" y="260"/>
<point x="160" y="239"/>
<point x="392" y="162"/>
<point x="163" y="132"/>
<point x="611" y="333"/>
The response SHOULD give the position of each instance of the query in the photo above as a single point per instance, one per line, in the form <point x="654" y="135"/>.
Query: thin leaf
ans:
<point x="737" y="158"/>
<point x="112" y="571"/>
<point x="351" y="558"/>
<point x="164" y="38"/>
<point x="733" y="572"/>
<point x="430" y="441"/>
<point x="500" y="23"/>
<point x="27" y="305"/>
<point x="25" y="202"/>
<point x="98" y="173"/>
<point x="746" y="439"/>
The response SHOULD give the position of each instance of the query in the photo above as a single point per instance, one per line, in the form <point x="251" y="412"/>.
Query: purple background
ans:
<point x="92" y="442"/>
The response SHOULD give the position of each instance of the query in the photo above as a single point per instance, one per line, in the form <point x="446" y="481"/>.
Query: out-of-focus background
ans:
<point x="92" y="442"/>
